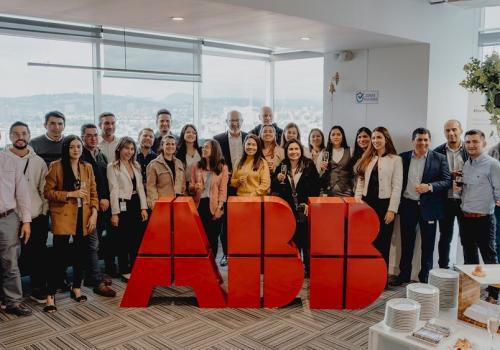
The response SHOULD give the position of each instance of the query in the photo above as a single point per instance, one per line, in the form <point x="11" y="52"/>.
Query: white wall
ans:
<point x="399" y="73"/>
<point x="451" y="31"/>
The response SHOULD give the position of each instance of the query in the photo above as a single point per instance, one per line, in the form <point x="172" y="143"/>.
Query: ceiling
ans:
<point x="207" y="20"/>
<point x="475" y="3"/>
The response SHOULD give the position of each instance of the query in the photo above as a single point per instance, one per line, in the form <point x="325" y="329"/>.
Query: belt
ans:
<point x="474" y="215"/>
<point x="6" y="213"/>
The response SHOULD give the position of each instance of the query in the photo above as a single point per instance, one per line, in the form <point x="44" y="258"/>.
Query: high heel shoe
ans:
<point x="81" y="299"/>
<point x="51" y="308"/>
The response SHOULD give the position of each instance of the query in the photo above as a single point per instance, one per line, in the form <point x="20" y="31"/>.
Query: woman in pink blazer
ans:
<point x="208" y="186"/>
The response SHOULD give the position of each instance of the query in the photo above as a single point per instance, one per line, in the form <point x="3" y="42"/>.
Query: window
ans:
<point x="491" y="18"/>
<point x="147" y="72"/>
<point x="231" y="83"/>
<point x="136" y="101"/>
<point x="27" y="93"/>
<point x="298" y="94"/>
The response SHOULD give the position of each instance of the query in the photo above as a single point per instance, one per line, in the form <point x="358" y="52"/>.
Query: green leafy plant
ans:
<point x="485" y="78"/>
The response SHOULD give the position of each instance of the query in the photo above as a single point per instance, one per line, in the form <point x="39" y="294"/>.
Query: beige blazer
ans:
<point x="390" y="180"/>
<point x="120" y="186"/>
<point x="63" y="210"/>
<point x="160" y="180"/>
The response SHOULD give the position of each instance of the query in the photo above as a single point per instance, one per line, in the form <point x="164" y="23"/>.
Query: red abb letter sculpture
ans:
<point x="251" y="237"/>
<point x="346" y="270"/>
<point x="189" y="256"/>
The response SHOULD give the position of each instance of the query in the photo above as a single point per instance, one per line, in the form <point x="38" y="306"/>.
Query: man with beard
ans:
<point x="108" y="141"/>
<point x="48" y="146"/>
<point x="231" y="143"/>
<point x="97" y="241"/>
<point x="145" y="154"/>
<point x="34" y="253"/>
<point x="163" y="122"/>
<point x="15" y="220"/>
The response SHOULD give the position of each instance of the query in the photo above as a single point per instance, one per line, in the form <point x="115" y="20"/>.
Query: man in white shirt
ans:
<point x="108" y="141"/>
<point x="34" y="254"/>
<point x="14" y="195"/>
<point x="231" y="143"/>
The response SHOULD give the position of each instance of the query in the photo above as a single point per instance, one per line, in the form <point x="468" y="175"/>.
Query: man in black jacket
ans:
<point x="266" y="117"/>
<point x="455" y="153"/>
<point x="97" y="159"/>
<point x="231" y="143"/>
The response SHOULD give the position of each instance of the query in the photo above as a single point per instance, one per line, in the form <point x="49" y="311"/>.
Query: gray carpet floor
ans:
<point x="176" y="323"/>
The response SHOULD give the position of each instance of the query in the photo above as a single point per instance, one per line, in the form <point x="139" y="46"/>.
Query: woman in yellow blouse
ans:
<point x="251" y="176"/>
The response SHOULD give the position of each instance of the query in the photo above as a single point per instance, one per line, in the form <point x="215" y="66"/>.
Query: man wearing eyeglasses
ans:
<point x="93" y="155"/>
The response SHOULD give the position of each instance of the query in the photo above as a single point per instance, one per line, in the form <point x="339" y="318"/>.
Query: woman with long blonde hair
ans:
<point x="128" y="203"/>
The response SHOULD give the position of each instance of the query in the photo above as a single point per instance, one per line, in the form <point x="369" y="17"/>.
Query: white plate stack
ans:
<point x="427" y="296"/>
<point x="447" y="282"/>
<point x="402" y="314"/>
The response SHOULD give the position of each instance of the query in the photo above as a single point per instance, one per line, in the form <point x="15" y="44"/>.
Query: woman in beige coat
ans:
<point x="165" y="174"/>
<point x="70" y="189"/>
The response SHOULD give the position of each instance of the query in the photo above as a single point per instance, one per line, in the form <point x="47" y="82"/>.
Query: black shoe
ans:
<point x="38" y="296"/>
<point x="398" y="282"/>
<point x="18" y="310"/>
<point x="223" y="261"/>
<point x="81" y="299"/>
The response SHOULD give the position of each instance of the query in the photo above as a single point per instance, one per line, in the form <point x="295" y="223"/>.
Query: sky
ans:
<point x="222" y="77"/>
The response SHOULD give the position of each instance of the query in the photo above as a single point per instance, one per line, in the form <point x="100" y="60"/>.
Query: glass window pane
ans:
<point x="228" y="84"/>
<point x="492" y="17"/>
<point x="27" y="93"/>
<point x="298" y="94"/>
<point x="135" y="103"/>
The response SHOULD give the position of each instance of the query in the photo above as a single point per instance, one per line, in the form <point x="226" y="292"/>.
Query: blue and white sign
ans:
<point x="366" y="96"/>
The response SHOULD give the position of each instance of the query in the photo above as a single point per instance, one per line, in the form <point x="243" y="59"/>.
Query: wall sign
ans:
<point x="366" y="96"/>
<point x="347" y="272"/>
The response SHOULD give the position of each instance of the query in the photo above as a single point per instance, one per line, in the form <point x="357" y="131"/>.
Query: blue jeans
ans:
<point x="10" y="249"/>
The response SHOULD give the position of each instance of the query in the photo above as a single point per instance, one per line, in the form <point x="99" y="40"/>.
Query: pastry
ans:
<point x="479" y="271"/>
<point x="463" y="344"/>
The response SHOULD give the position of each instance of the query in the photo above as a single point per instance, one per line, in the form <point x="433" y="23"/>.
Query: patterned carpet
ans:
<point x="168" y="324"/>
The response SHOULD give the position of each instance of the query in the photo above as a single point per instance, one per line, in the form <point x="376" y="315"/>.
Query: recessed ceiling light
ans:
<point x="177" y="19"/>
<point x="305" y="38"/>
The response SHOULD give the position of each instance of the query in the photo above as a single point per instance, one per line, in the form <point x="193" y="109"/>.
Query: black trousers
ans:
<point x="34" y="257"/>
<point x="410" y="216"/>
<point x="77" y="253"/>
<point x="107" y="241"/>
<point x="479" y="234"/>
<point x="212" y="227"/>
<point x="451" y="211"/>
<point x="301" y="239"/>
<point x="130" y="232"/>
<point x="231" y="191"/>
<point x="384" y="236"/>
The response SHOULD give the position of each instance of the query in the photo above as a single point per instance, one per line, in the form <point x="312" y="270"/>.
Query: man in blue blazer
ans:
<point x="426" y="180"/>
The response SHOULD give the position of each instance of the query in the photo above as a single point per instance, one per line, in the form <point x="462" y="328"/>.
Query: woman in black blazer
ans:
<point x="298" y="174"/>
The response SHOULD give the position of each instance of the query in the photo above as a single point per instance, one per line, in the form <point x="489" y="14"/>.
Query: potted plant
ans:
<point x="485" y="77"/>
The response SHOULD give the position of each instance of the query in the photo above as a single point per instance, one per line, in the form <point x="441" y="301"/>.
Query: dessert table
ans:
<point x="381" y="337"/>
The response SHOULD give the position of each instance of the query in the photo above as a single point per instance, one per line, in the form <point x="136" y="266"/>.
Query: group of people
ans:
<point x="95" y="192"/>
